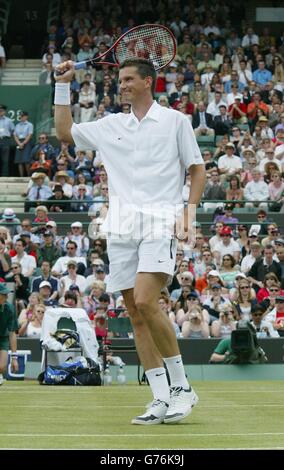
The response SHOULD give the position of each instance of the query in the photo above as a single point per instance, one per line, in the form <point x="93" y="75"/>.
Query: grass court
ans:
<point x="230" y="415"/>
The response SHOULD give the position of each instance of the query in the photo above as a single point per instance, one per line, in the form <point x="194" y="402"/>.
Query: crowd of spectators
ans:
<point x="229" y="82"/>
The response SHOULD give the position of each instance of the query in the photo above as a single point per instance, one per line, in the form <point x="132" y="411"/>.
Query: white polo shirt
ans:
<point x="232" y="162"/>
<point x="27" y="262"/>
<point x="145" y="161"/>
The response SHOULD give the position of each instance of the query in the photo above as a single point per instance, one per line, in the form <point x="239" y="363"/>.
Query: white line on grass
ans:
<point x="249" y="434"/>
<point x="116" y="389"/>
<point x="87" y="407"/>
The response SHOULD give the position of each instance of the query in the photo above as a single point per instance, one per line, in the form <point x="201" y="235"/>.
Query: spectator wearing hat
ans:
<point x="59" y="202"/>
<point x="23" y="134"/>
<point x="8" y="328"/>
<point x="98" y="272"/>
<point x="10" y="221"/>
<point x="45" y="294"/>
<point x="60" y="265"/>
<point x="226" y="246"/>
<point x="263" y="266"/>
<point x="6" y="132"/>
<point x="72" y="278"/>
<point x="62" y="178"/>
<point x="202" y="122"/>
<point x="229" y="163"/>
<point x="27" y="262"/>
<point x="79" y="237"/>
<point x="39" y="192"/>
<point x="269" y="158"/>
<point x="48" y="251"/>
<point x="215" y="300"/>
<point x="256" y="190"/>
<point x="266" y="132"/>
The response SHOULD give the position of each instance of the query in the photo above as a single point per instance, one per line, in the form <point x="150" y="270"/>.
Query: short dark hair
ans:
<point x="70" y="295"/>
<point x="71" y="242"/>
<point x="144" y="67"/>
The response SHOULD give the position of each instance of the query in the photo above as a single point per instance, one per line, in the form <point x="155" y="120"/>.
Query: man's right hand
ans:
<point x="65" y="72"/>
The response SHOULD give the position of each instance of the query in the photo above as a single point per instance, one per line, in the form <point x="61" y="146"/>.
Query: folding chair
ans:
<point x="75" y="319"/>
<point x="120" y="326"/>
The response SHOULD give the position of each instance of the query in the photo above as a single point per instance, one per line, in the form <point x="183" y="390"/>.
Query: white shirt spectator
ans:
<point x="231" y="163"/>
<point x="229" y="249"/>
<point x="80" y="281"/>
<point x="27" y="262"/>
<point x="213" y="108"/>
<point x="245" y="78"/>
<point x="247" y="263"/>
<point x="61" y="264"/>
<point x="249" y="40"/>
<point x="78" y="240"/>
<point x="256" y="191"/>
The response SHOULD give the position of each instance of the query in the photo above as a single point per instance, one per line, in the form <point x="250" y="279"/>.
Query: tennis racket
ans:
<point x="149" y="41"/>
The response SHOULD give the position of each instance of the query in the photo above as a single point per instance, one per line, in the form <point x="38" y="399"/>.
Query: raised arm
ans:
<point x="63" y="117"/>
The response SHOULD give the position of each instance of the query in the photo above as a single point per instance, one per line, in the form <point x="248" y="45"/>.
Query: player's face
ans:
<point x="132" y="86"/>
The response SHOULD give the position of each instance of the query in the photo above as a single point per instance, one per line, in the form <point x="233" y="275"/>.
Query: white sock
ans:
<point x="159" y="384"/>
<point x="176" y="372"/>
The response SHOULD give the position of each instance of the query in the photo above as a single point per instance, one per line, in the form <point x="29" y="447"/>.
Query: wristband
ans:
<point x="14" y="356"/>
<point x="62" y="94"/>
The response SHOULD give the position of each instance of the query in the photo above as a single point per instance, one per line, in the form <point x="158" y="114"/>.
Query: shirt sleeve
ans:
<point x="13" y="322"/>
<point x="87" y="135"/>
<point x="187" y="144"/>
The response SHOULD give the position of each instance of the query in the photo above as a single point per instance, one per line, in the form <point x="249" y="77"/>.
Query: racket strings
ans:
<point x="152" y="43"/>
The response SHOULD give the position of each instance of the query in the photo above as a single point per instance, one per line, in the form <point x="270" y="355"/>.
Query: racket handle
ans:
<point x="80" y="65"/>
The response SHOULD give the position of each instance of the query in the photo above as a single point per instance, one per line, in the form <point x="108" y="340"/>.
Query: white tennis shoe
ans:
<point x="155" y="414"/>
<point x="181" y="403"/>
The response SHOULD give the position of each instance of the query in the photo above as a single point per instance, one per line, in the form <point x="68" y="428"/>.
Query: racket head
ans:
<point x="153" y="42"/>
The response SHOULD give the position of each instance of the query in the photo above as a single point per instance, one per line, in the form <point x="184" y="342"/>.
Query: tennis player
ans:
<point x="146" y="154"/>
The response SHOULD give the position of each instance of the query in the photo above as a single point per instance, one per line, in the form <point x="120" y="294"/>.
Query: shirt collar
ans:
<point x="153" y="113"/>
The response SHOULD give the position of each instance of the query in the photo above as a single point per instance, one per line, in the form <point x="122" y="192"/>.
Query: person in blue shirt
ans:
<point x="6" y="132"/>
<point x="261" y="76"/>
<point x="23" y="135"/>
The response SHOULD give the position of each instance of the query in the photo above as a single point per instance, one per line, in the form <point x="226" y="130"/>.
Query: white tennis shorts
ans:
<point x="129" y="257"/>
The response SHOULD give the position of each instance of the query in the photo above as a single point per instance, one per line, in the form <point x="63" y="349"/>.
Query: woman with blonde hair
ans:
<point x="244" y="300"/>
<point x="31" y="327"/>
<point x="28" y="312"/>
<point x="5" y="234"/>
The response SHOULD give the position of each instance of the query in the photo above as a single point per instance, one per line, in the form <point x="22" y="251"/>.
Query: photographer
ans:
<point x="195" y="326"/>
<point x="223" y="327"/>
